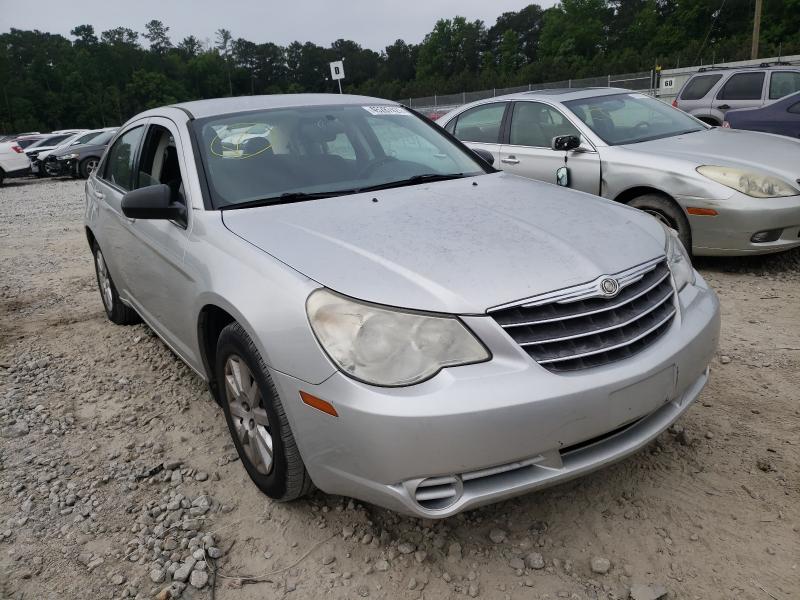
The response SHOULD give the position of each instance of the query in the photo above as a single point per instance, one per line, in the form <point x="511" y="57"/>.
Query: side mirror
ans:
<point x="484" y="155"/>
<point x="153" y="202"/>
<point x="565" y="143"/>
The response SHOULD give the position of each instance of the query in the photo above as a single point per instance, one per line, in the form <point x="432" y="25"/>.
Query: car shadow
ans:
<point x="762" y="264"/>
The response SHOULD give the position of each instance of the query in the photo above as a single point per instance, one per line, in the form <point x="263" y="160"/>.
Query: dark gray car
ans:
<point x="81" y="160"/>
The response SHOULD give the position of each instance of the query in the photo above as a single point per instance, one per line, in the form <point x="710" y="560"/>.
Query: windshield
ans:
<point x="48" y="141"/>
<point x="631" y="118"/>
<point x="84" y="138"/>
<point x="100" y="138"/>
<point x="287" y="153"/>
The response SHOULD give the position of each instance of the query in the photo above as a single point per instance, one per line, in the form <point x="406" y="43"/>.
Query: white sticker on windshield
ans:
<point x="638" y="95"/>
<point x="386" y="109"/>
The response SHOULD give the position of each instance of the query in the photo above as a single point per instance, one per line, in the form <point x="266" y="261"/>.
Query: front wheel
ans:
<point x="669" y="213"/>
<point x="87" y="167"/>
<point x="116" y="311"/>
<point x="256" y="418"/>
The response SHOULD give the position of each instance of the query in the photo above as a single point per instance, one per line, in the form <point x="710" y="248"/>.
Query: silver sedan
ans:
<point x="726" y="192"/>
<point x="383" y="315"/>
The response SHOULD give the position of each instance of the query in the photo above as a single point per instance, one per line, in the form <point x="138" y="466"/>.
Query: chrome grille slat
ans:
<point x="659" y="303"/>
<point x="614" y="347"/>
<point x="595" y="311"/>
<point x="563" y="333"/>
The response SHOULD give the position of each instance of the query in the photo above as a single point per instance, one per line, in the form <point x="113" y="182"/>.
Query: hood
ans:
<point x="458" y="246"/>
<point x="751" y="150"/>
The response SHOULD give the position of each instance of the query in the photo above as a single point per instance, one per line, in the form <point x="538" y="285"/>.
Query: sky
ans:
<point x="372" y="23"/>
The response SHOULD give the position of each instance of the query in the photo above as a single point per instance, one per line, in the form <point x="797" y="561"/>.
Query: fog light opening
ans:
<point x="770" y="235"/>
<point x="438" y="493"/>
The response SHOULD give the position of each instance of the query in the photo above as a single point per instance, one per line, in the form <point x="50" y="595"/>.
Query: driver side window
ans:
<point x="159" y="162"/>
<point x="119" y="164"/>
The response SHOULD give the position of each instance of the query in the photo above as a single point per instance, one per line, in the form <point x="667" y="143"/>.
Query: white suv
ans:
<point x="13" y="161"/>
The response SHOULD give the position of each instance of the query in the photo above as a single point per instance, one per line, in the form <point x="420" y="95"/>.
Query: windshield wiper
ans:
<point x="416" y="179"/>
<point x="286" y="198"/>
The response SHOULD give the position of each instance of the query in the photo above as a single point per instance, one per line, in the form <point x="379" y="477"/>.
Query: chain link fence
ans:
<point x="440" y="104"/>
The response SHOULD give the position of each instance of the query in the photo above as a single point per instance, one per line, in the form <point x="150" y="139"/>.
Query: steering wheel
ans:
<point x="369" y="169"/>
<point x="642" y="125"/>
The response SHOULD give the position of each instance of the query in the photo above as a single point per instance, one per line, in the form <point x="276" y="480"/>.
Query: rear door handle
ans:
<point x="511" y="160"/>
<point x="99" y="195"/>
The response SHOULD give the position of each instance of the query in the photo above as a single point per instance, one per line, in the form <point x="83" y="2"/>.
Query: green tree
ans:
<point x="157" y="35"/>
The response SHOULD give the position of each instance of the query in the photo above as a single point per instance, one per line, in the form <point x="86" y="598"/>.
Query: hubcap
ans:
<point x="247" y="413"/>
<point x="91" y="166"/>
<point x="105" y="281"/>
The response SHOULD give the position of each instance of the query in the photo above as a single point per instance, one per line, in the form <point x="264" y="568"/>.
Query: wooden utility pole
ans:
<point x="756" y="30"/>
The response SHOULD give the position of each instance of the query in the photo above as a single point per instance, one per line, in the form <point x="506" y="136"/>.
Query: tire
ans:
<point x="2" y="176"/>
<point x="252" y="414"/>
<point x="87" y="165"/>
<point x="116" y="311"/>
<point x="667" y="211"/>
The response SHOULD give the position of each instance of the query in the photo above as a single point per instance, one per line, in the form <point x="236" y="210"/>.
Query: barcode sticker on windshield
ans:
<point x="386" y="110"/>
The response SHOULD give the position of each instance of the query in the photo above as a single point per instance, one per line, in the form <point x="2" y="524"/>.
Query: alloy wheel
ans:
<point x="105" y="281"/>
<point x="250" y="420"/>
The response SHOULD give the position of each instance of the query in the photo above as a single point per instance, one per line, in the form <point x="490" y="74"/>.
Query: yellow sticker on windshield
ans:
<point x="241" y="140"/>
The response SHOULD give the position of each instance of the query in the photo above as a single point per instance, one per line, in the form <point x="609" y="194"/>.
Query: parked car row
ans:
<point x="74" y="152"/>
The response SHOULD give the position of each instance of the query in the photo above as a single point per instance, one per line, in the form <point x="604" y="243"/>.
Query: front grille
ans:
<point x="580" y="327"/>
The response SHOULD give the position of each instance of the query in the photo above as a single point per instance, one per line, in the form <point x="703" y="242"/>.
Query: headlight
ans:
<point x="678" y="260"/>
<point x="757" y="185"/>
<point x="68" y="156"/>
<point x="385" y="346"/>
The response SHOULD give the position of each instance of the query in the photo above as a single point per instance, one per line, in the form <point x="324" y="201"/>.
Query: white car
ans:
<point x="13" y="161"/>
<point x="39" y="150"/>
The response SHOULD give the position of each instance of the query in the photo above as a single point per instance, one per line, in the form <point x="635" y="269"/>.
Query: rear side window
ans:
<point x="699" y="86"/>
<point x="481" y="124"/>
<point x="119" y="168"/>
<point x="783" y="83"/>
<point x="743" y="86"/>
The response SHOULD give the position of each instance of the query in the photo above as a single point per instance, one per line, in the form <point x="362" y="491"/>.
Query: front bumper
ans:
<point x="503" y="427"/>
<point x="739" y="217"/>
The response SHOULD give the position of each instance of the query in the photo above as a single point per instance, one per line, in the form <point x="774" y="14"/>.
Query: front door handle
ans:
<point x="511" y="160"/>
<point x="99" y="195"/>
<point x="724" y="106"/>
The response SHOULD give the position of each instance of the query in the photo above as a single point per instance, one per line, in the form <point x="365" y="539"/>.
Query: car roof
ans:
<point x="716" y="70"/>
<point x="221" y="106"/>
<point x="564" y="94"/>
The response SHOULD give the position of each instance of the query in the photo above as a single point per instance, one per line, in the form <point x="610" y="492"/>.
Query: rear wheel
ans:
<point x="667" y="211"/>
<point x="2" y="176"/>
<point x="116" y="310"/>
<point x="87" y="166"/>
<point x="256" y="418"/>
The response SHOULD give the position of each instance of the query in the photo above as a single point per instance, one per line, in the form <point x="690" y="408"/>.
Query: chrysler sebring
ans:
<point x="383" y="315"/>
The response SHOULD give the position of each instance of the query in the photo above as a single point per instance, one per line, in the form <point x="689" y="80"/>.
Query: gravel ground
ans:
<point x="118" y="479"/>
